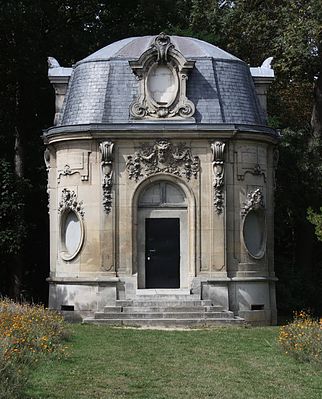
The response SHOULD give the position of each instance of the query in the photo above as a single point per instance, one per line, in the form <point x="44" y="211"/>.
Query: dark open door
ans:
<point x="162" y="253"/>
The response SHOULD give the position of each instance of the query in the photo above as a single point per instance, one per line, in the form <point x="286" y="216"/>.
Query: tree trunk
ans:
<point x="17" y="267"/>
<point x="316" y="119"/>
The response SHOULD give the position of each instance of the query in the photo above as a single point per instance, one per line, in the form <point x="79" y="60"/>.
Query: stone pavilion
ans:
<point x="161" y="172"/>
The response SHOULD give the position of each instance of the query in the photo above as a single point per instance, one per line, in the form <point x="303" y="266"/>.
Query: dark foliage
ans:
<point x="69" y="30"/>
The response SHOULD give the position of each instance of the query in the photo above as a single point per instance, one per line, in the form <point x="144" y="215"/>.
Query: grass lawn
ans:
<point x="228" y="362"/>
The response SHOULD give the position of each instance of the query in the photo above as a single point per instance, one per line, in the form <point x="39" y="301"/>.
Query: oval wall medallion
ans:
<point x="254" y="233"/>
<point x="71" y="234"/>
<point x="162" y="85"/>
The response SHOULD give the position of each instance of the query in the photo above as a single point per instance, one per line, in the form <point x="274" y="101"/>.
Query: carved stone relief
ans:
<point x="253" y="160"/>
<point x="165" y="68"/>
<point x="47" y="159"/>
<point x="70" y="201"/>
<point x="218" y="150"/>
<point x="163" y="157"/>
<point x="78" y="163"/>
<point x="47" y="163"/>
<point x="254" y="201"/>
<point x="106" y="148"/>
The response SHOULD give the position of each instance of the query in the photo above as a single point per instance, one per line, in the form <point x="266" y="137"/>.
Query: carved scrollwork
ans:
<point x="186" y="109"/>
<point x="138" y="110"/>
<point x="163" y="157"/>
<point x="162" y="44"/>
<point x="66" y="171"/>
<point x="106" y="148"/>
<point x="218" y="150"/>
<point x="162" y="56"/>
<point x="254" y="201"/>
<point x="69" y="201"/>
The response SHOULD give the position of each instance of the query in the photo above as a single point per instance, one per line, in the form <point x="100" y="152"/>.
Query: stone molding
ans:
<point x="254" y="201"/>
<point x="81" y="167"/>
<point x="218" y="150"/>
<point x="70" y="201"/>
<point x="162" y="52"/>
<point x="106" y="148"/>
<point x="163" y="157"/>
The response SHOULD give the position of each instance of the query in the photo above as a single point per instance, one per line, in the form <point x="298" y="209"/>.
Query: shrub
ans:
<point x="31" y="329"/>
<point x="302" y="338"/>
<point x="27" y="332"/>
<point x="13" y="375"/>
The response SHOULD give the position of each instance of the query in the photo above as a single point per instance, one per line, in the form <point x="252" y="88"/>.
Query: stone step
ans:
<point x="163" y="303"/>
<point x="215" y="308"/>
<point x="151" y="309"/>
<point x="162" y="315"/>
<point x="113" y="309"/>
<point x="159" y="297"/>
<point x="167" y="322"/>
<point x="163" y="292"/>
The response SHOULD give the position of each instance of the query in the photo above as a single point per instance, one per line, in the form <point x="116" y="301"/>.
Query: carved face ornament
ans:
<point x="162" y="147"/>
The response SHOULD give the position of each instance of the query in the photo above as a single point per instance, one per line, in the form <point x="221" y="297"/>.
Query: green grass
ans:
<point x="218" y="363"/>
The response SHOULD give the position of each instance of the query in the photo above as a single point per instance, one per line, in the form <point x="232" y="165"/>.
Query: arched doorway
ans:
<point x="162" y="237"/>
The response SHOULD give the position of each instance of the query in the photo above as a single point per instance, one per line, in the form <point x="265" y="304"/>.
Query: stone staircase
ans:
<point x="165" y="310"/>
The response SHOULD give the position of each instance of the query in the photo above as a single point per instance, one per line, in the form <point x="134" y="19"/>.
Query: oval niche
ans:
<point x="254" y="233"/>
<point x="162" y="85"/>
<point x="71" y="235"/>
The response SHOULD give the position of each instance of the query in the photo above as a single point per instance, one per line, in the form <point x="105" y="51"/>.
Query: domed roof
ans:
<point x="133" y="47"/>
<point x="103" y="86"/>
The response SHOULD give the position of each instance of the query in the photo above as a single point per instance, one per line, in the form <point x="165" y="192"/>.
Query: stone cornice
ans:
<point x="156" y="130"/>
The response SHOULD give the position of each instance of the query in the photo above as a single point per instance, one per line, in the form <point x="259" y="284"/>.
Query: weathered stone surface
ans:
<point x="203" y="170"/>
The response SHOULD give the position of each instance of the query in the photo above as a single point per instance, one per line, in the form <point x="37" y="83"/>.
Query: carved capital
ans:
<point x="106" y="148"/>
<point x="218" y="150"/>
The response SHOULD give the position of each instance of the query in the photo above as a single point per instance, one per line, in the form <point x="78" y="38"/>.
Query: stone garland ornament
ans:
<point x="163" y="157"/>
<point x="254" y="201"/>
<point x="47" y="163"/>
<point x="69" y="201"/>
<point x="162" y="53"/>
<point x="218" y="150"/>
<point x="106" y="148"/>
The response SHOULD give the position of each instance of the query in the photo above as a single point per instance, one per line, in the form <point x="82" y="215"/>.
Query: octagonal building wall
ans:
<point x="111" y="143"/>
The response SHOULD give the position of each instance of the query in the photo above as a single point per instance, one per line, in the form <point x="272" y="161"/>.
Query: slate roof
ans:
<point x="102" y="86"/>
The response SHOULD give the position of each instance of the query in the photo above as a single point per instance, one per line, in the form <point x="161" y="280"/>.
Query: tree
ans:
<point x="316" y="220"/>
<point x="253" y="30"/>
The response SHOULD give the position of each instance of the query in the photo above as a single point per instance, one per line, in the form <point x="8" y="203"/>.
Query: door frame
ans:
<point x="157" y="213"/>
<point x="191" y="192"/>
<point x="162" y="263"/>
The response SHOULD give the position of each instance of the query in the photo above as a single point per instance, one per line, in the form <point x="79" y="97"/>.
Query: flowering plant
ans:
<point x="302" y="338"/>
